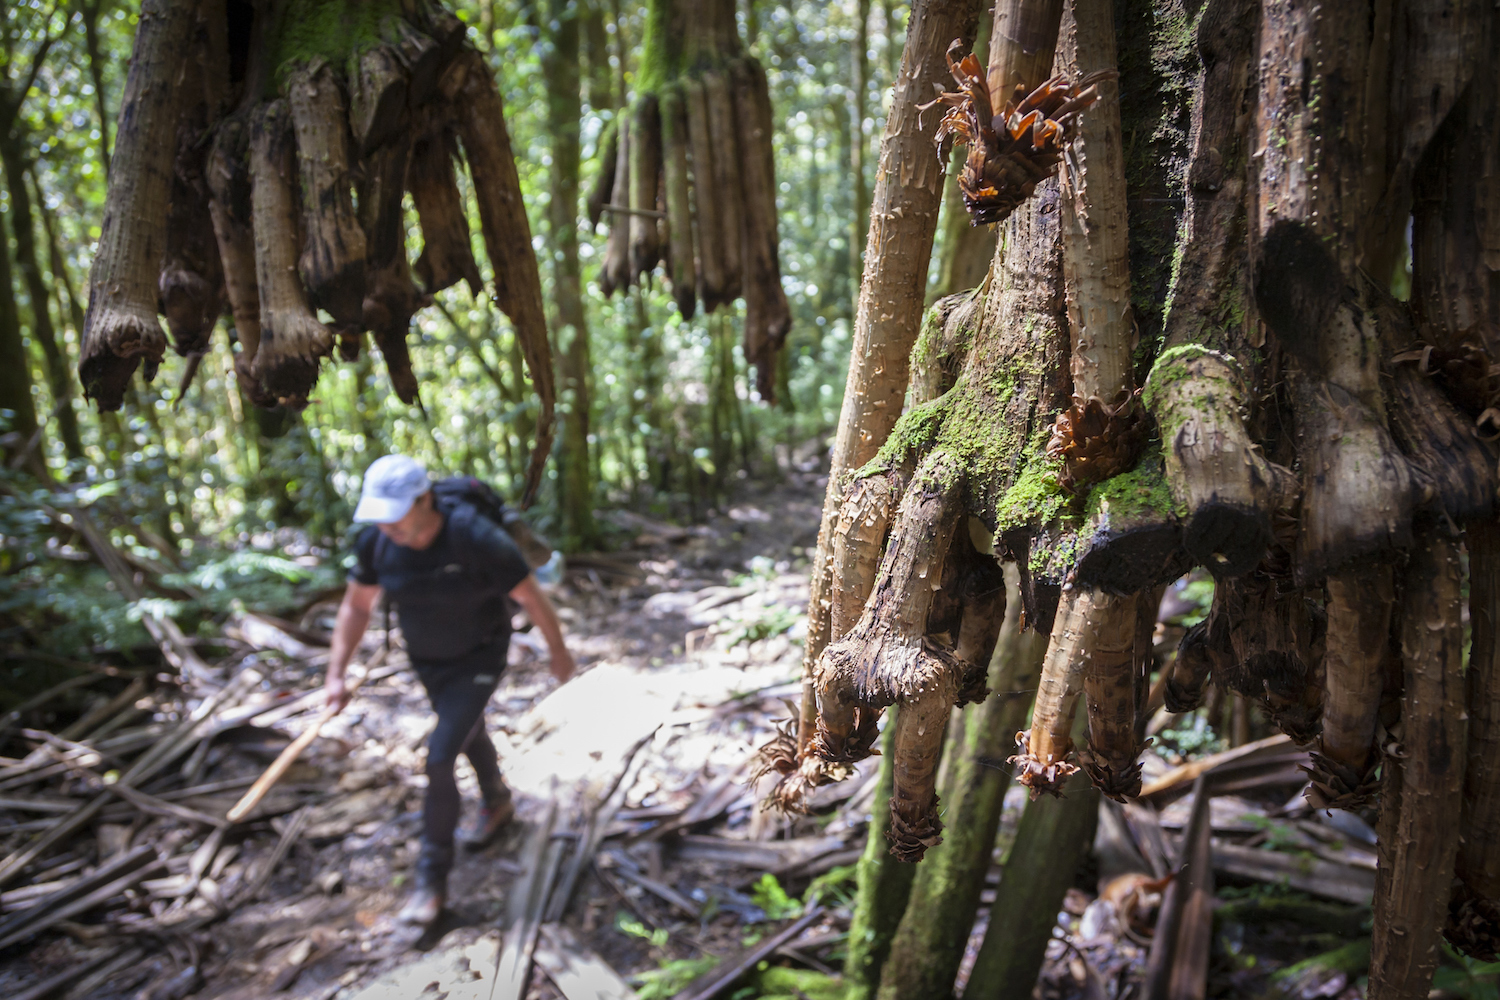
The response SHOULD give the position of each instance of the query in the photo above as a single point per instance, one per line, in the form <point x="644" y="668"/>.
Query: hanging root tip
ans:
<point x="1040" y="775"/>
<point x="1332" y="785"/>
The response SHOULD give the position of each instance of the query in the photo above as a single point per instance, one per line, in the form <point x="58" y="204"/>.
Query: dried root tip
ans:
<point x="1337" y="786"/>
<point x="1117" y="780"/>
<point x="1040" y="775"/>
<point x="911" y="836"/>
<point x="127" y="335"/>
<point x="1201" y="647"/>
<point x="1097" y="440"/>
<point x="1474" y="925"/>
<point x="857" y="745"/>
<point x="1010" y="153"/>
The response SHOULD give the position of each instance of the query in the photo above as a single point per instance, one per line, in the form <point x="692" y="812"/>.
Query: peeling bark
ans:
<point x="908" y="191"/>
<point x="1422" y="792"/>
<point x="121" y="329"/>
<point x="292" y="341"/>
<point x="888" y="657"/>
<point x="1093" y="632"/>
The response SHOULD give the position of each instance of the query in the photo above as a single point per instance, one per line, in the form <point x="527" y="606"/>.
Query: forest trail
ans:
<point x="688" y="643"/>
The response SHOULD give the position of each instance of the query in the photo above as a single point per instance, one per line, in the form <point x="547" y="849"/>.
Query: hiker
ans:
<point x="448" y="568"/>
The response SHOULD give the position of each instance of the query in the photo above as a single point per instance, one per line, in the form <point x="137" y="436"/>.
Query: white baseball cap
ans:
<point x="392" y="484"/>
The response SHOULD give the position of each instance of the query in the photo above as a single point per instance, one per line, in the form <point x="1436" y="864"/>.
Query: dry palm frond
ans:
<point x="1010" y="153"/>
<point x="1097" y="440"/>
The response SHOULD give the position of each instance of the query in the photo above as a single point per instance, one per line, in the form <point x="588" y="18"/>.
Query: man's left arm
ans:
<point x="539" y="609"/>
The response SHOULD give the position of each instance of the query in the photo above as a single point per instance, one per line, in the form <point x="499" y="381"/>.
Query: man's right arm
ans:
<point x="354" y="617"/>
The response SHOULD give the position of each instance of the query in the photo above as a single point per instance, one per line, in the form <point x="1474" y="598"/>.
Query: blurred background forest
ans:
<point x="203" y="490"/>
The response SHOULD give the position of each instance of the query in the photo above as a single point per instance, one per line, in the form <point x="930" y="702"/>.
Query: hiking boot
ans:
<point x="495" y="815"/>
<point x="430" y="889"/>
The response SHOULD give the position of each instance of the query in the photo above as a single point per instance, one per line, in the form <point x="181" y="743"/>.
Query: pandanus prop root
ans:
<point x="688" y="182"/>
<point x="1013" y="151"/>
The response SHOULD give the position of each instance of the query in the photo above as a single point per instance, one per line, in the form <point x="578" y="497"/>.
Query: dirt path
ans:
<point x="687" y="643"/>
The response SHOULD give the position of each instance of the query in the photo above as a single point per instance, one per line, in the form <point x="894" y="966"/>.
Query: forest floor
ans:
<point x="636" y="824"/>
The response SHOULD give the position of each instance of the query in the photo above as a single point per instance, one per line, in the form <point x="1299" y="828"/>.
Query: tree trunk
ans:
<point x="1053" y="837"/>
<point x="17" y="445"/>
<point x="859" y="88"/>
<point x="564" y="109"/>
<point x="59" y="378"/>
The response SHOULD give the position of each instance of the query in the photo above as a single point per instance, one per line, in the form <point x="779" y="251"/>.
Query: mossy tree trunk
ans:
<point x="561" y="66"/>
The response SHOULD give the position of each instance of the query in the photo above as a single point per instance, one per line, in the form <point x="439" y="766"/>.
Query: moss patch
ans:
<point x="333" y="30"/>
<point x="1143" y="491"/>
<point x="915" y="432"/>
<point x="1035" y="497"/>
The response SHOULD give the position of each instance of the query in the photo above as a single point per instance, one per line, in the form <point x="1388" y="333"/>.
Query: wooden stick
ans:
<point x="289" y="756"/>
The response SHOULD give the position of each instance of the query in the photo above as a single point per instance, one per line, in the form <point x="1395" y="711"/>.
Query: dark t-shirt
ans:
<point x="450" y="597"/>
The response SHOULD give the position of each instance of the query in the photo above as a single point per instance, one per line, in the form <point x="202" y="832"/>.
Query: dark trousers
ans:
<point x="459" y="689"/>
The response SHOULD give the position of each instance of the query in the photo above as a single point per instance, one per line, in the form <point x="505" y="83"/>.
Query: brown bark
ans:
<point x="447" y="254"/>
<point x="1275" y="650"/>
<point x="1422" y="792"/>
<point x="377" y="98"/>
<point x="1359" y="623"/>
<point x="645" y="183"/>
<point x="227" y="175"/>
<point x="332" y="264"/>
<point x="1474" y="909"/>
<point x="767" y="315"/>
<point x="391" y="297"/>
<point x="614" y="275"/>
<point x="724" y="135"/>
<point x="121" y="328"/>
<point x="908" y="190"/>
<point x="1112" y="693"/>
<point x="707" y="209"/>
<point x="292" y="341"/>
<point x="191" y="285"/>
<point x="1093" y="632"/>
<point x="1021" y="52"/>
<point x="674" y="132"/>
<point x="888" y="655"/>
<point x="507" y="234"/>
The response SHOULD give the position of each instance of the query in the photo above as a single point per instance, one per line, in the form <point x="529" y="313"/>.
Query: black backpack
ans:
<point x="480" y="495"/>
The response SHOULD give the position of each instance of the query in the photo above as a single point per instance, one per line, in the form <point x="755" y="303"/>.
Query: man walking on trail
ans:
<point x="448" y="569"/>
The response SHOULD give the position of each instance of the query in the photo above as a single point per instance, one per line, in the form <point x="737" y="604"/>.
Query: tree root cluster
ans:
<point x="268" y="173"/>
<point x="688" y="180"/>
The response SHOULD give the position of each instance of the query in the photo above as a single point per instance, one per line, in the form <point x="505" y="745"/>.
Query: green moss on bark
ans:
<point x="332" y="30"/>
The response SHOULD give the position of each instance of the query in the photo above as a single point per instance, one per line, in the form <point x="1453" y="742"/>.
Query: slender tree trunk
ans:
<point x="884" y="888"/>
<point x="59" y="375"/>
<point x="859" y="87"/>
<point x="15" y="378"/>
<point x="1054" y="835"/>
<point x="561" y="68"/>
